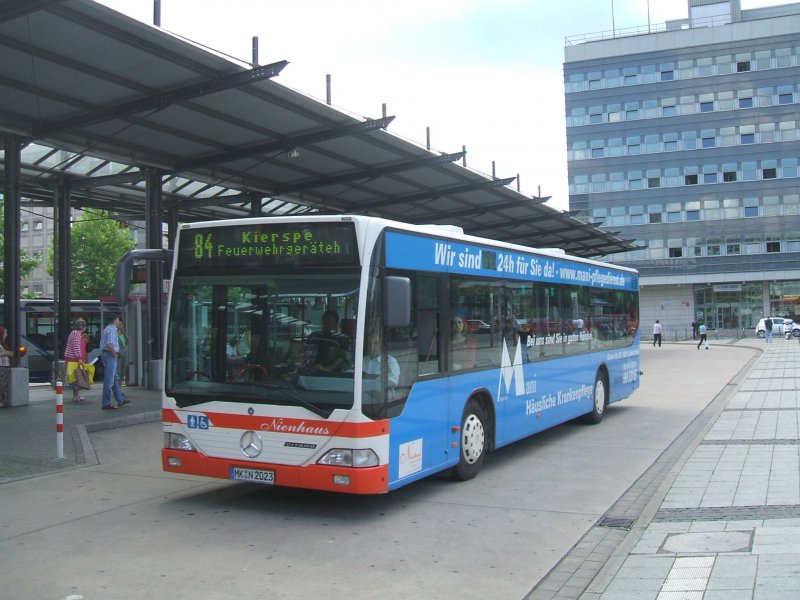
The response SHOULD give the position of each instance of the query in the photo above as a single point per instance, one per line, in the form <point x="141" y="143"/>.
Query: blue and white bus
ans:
<point x="357" y="354"/>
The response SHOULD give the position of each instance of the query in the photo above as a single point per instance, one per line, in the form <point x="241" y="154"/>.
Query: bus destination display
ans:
<point x="268" y="244"/>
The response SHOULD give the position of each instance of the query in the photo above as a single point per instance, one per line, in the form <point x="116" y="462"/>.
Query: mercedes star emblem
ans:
<point x="251" y="444"/>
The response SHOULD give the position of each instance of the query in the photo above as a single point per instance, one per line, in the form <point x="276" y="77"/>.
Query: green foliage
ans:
<point x="98" y="243"/>
<point x="26" y="263"/>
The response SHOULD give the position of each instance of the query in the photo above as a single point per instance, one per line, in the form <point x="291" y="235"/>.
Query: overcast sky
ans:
<point x="485" y="74"/>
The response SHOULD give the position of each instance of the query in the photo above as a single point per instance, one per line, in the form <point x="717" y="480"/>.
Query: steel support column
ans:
<point x="11" y="269"/>
<point x="155" y="276"/>
<point x="172" y="227"/>
<point x="62" y="265"/>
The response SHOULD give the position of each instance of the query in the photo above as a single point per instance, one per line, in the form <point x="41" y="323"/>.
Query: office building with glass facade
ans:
<point x="685" y="138"/>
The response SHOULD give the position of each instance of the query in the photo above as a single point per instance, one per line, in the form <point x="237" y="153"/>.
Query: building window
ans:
<point x="709" y="142"/>
<point x="713" y="247"/>
<point x="674" y="217"/>
<point x="748" y="138"/>
<point x="598" y="153"/>
<point x="773" y="246"/>
<point x="729" y="176"/>
<point x="706" y="107"/>
<point x="690" y="179"/>
<point x="655" y="217"/>
<point x="669" y="111"/>
<point x="692" y="215"/>
<point x="667" y="75"/>
<point x="637" y="219"/>
<point x="743" y="66"/>
<point x="653" y="182"/>
<point x="709" y="178"/>
<point x="38" y="225"/>
<point x="753" y="244"/>
<point x="745" y="103"/>
<point x="784" y="98"/>
<point x="733" y="247"/>
<point x="24" y="226"/>
<point x="770" y="173"/>
<point x="750" y="211"/>
<point x="675" y="252"/>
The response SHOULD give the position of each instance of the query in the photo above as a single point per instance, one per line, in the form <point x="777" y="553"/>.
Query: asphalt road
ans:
<point x="124" y="530"/>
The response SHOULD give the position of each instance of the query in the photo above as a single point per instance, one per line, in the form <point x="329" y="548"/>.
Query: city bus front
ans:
<point x="261" y="355"/>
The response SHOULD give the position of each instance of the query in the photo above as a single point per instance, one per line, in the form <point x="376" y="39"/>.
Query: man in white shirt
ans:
<point x="373" y="361"/>
<point x="657" y="333"/>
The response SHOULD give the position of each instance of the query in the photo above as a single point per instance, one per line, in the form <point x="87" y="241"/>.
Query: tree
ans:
<point x="98" y="243"/>
<point x="26" y="263"/>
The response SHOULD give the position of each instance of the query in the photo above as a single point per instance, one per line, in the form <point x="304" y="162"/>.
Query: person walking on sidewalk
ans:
<point x="75" y="353"/>
<point x="703" y="336"/>
<point x="109" y="350"/>
<point x="657" y="333"/>
<point x="768" y="330"/>
<point x="122" y="359"/>
<point x="5" y="365"/>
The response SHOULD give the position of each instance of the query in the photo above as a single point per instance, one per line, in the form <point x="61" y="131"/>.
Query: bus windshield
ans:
<point x="282" y="339"/>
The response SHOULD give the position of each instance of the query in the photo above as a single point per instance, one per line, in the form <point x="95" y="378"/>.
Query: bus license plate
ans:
<point x="256" y="475"/>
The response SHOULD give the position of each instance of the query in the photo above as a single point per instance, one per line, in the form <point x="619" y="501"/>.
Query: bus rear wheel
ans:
<point x="599" y="399"/>
<point x="473" y="442"/>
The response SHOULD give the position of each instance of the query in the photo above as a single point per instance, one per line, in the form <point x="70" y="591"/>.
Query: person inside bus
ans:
<point x="373" y="360"/>
<point x="326" y="349"/>
<point x="462" y="347"/>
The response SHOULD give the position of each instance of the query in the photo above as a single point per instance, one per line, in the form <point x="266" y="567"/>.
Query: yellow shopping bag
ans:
<point x="71" y="366"/>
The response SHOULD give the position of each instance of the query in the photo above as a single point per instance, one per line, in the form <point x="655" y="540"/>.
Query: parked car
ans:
<point x="779" y="325"/>
<point x="477" y="326"/>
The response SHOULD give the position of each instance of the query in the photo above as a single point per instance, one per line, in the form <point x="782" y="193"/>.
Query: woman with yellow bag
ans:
<point x="75" y="358"/>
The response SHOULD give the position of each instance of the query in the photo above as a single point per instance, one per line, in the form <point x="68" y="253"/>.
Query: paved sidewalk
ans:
<point x="725" y="521"/>
<point x="28" y="433"/>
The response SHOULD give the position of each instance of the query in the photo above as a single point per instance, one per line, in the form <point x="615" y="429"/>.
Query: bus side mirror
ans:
<point x="396" y="301"/>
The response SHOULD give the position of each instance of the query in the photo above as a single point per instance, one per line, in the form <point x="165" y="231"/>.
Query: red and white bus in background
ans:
<point x="402" y="391"/>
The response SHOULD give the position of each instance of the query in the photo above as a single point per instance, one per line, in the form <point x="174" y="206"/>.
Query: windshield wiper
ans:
<point x="317" y="410"/>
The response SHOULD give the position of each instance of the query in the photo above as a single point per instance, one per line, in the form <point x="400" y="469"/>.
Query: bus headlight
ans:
<point x="345" y="457"/>
<point x="177" y="441"/>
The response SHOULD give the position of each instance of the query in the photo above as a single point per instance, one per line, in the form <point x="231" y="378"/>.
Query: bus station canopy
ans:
<point x="100" y="100"/>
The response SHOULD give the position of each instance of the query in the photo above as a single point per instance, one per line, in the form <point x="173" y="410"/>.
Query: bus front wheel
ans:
<point x="599" y="399"/>
<point x="473" y="442"/>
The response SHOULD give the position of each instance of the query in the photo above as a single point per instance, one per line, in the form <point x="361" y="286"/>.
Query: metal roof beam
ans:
<point x="161" y="100"/>
<point x="369" y="174"/>
<point x="103" y="180"/>
<point x="480" y="210"/>
<point x="14" y="9"/>
<point x="436" y="193"/>
<point x="285" y="144"/>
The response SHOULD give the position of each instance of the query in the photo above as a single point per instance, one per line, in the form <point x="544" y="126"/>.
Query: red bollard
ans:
<point x="59" y="419"/>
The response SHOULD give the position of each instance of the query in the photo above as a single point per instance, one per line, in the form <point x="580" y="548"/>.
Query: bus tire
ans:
<point x="472" y="446"/>
<point x="599" y="399"/>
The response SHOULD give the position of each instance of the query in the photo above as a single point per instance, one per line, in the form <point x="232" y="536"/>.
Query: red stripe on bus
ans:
<point x="287" y="425"/>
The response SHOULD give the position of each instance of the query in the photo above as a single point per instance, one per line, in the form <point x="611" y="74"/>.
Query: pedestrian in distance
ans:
<point x="657" y="333"/>
<point x="109" y="351"/>
<point x="694" y="330"/>
<point x="75" y="356"/>
<point x="5" y="365"/>
<point x="768" y="330"/>
<point x="122" y="359"/>
<point x="703" y="336"/>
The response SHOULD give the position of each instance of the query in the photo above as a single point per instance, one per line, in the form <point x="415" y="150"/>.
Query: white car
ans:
<point x="779" y="325"/>
<point x="792" y="330"/>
